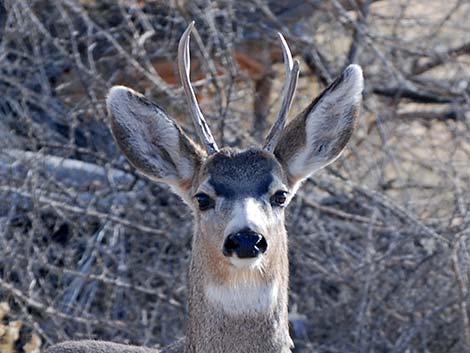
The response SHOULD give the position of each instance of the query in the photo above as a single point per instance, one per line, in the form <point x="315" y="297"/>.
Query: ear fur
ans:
<point x="318" y="135"/>
<point x="151" y="140"/>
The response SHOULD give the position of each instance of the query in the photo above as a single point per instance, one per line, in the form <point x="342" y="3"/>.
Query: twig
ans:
<point x="411" y="94"/>
<point x="86" y="211"/>
<point x="440" y="58"/>
<point x="50" y="311"/>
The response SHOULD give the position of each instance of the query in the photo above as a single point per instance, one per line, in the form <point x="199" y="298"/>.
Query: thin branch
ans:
<point x="50" y="311"/>
<point x="440" y="58"/>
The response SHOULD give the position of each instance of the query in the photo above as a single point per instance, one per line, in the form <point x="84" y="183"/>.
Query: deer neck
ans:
<point x="246" y="313"/>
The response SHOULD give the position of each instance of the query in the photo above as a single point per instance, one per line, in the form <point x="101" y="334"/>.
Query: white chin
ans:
<point x="246" y="263"/>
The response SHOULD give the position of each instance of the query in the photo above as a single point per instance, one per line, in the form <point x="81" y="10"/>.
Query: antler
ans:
<point x="202" y="128"/>
<point x="292" y="75"/>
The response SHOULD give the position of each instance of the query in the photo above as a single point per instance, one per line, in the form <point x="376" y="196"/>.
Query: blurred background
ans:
<point x="379" y="241"/>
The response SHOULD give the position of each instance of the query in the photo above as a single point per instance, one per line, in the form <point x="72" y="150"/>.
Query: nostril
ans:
<point x="231" y="244"/>
<point x="262" y="245"/>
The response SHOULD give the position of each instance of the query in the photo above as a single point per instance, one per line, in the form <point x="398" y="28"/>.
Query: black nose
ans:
<point x="245" y="244"/>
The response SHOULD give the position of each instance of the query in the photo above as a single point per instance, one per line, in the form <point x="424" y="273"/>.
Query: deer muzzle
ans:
<point x="245" y="244"/>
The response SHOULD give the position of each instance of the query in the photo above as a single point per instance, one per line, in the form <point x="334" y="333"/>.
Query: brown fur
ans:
<point x="248" y="332"/>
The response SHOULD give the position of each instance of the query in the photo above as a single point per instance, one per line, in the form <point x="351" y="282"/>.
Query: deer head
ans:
<point x="238" y="197"/>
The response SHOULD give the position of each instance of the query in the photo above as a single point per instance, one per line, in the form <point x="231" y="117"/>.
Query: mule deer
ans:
<point x="238" y="274"/>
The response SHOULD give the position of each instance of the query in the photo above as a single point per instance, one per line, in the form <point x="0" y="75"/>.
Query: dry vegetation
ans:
<point x="380" y="242"/>
<point x="12" y="335"/>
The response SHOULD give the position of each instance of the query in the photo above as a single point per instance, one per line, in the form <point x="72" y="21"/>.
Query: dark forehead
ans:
<point x="246" y="173"/>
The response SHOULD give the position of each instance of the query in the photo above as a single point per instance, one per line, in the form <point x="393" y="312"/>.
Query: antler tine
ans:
<point x="200" y="124"/>
<point x="292" y="75"/>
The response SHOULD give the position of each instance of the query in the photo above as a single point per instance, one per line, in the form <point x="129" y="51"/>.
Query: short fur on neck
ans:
<point x="245" y="312"/>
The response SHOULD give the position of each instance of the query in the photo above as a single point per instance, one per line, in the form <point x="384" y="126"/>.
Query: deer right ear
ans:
<point x="318" y="135"/>
<point x="152" y="141"/>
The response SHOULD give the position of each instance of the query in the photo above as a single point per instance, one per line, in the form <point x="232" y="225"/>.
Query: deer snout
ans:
<point x="245" y="243"/>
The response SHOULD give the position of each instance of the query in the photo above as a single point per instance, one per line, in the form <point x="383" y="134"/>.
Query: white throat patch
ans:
<point x="243" y="297"/>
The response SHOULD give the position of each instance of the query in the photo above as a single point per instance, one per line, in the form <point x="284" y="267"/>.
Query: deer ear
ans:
<point x="318" y="135"/>
<point x="151" y="140"/>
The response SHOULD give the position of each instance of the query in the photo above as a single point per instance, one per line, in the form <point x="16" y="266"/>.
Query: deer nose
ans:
<point x="245" y="244"/>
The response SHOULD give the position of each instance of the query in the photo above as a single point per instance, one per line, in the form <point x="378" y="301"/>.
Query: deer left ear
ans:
<point x="318" y="135"/>
<point x="152" y="141"/>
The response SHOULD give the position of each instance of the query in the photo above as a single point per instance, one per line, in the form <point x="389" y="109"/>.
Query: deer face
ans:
<point x="240" y="202"/>
<point x="238" y="197"/>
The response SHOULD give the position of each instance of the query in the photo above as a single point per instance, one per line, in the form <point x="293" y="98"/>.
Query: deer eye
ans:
<point x="279" y="198"/>
<point x="204" y="201"/>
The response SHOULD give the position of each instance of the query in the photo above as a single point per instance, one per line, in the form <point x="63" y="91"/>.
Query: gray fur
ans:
<point x="151" y="140"/>
<point x="89" y="346"/>
<point x="236" y="180"/>
<point x="253" y="179"/>
<point x="318" y="135"/>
